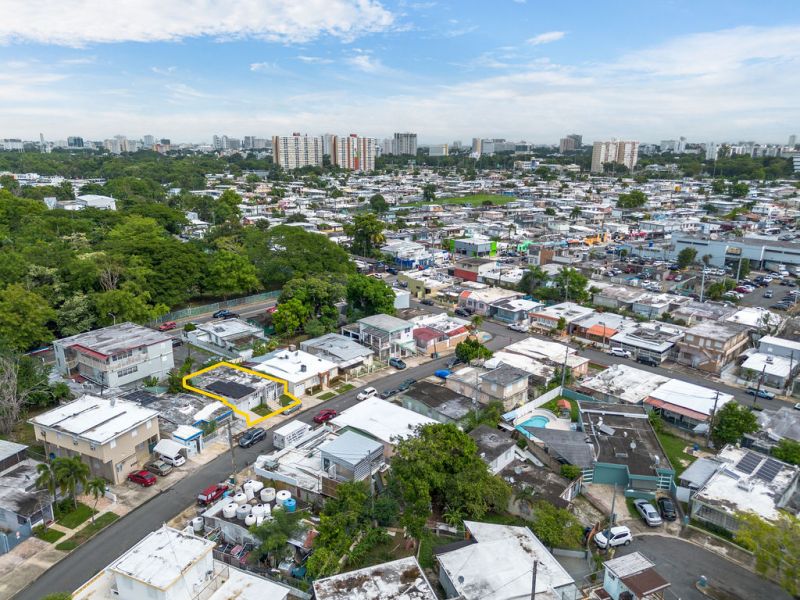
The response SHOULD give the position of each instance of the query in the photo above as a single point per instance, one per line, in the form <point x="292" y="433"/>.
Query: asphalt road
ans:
<point x="682" y="563"/>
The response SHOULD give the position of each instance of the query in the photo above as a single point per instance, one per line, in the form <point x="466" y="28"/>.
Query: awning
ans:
<point x="600" y="331"/>
<point x="674" y="408"/>
<point x="168" y="447"/>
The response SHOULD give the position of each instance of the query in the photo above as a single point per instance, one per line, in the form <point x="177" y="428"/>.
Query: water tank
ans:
<point x="240" y="498"/>
<point x="249" y="520"/>
<point x="257" y="486"/>
<point x="248" y="490"/>
<point x="267" y="494"/>
<point x="290" y="504"/>
<point x="242" y="511"/>
<point x="229" y="510"/>
<point x="259" y="520"/>
<point x="197" y="524"/>
<point x="267" y="510"/>
<point x="282" y="496"/>
<point x="258" y="510"/>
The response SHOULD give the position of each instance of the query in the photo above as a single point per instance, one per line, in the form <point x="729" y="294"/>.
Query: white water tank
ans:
<point x="229" y="510"/>
<point x="267" y="494"/>
<point x="249" y="520"/>
<point x="243" y="511"/>
<point x="258" y="510"/>
<point x="282" y="496"/>
<point x="240" y="498"/>
<point x="257" y="486"/>
<point x="197" y="524"/>
<point x="248" y="490"/>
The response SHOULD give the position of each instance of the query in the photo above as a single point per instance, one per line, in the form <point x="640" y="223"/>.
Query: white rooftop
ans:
<point x="754" y="316"/>
<point x="778" y="366"/>
<point x="401" y="579"/>
<point x="294" y="365"/>
<point x="688" y="395"/>
<point x="626" y="383"/>
<point x="541" y="349"/>
<point x="228" y="328"/>
<point x="382" y="420"/>
<point x="95" y="419"/>
<point x="769" y="341"/>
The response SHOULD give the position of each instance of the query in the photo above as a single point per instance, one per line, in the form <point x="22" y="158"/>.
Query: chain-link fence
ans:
<point x="192" y="311"/>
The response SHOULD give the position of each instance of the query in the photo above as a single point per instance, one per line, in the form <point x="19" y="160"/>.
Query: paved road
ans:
<point x="682" y="564"/>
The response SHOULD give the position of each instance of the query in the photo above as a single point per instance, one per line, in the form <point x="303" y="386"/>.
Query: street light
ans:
<point x="113" y="316"/>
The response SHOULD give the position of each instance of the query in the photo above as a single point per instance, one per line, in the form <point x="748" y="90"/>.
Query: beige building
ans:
<point x="712" y="345"/>
<point x="112" y="436"/>
<point x="297" y="151"/>
<point x="354" y="153"/>
<point x="623" y="153"/>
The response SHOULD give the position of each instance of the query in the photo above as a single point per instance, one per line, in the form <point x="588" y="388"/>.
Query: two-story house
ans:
<point x="387" y="336"/>
<point x="712" y="345"/>
<point x="505" y="384"/>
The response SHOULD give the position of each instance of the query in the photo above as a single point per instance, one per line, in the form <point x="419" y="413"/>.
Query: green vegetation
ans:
<point x="74" y="517"/>
<point x="686" y="257"/>
<point x="57" y="596"/>
<point x="674" y="449"/>
<point x="274" y="534"/>
<point x="488" y="415"/>
<point x="731" y="422"/>
<point x="471" y="349"/>
<point x="327" y="396"/>
<point x="473" y="200"/>
<point x="48" y="535"/>
<point x="776" y="547"/>
<point x="567" y="284"/>
<point x="345" y="388"/>
<point x="68" y="545"/>
<point x="632" y="200"/>
<point x="552" y="405"/>
<point x="570" y="471"/>
<point x="88" y="532"/>
<point x="366" y="231"/>
<point x="788" y="451"/>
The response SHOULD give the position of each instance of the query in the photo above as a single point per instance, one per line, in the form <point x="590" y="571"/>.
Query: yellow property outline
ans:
<point x="241" y="413"/>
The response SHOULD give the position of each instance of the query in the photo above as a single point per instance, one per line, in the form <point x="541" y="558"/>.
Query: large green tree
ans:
<point x="289" y="317"/>
<point x="366" y="232"/>
<point x="119" y="306"/>
<point x="471" y="349"/>
<point x="731" y="422"/>
<point x="775" y="545"/>
<point x="24" y="319"/>
<point x="230" y="273"/>
<point x="686" y="257"/>
<point x="378" y="203"/>
<point x="369" y="296"/>
<point x="631" y="200"/>
<point x="788" y="451"/>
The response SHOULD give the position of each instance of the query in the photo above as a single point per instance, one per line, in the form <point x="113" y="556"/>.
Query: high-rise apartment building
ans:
<point x="404" y="143"/>
<point x="354" y="153"/>
<point x="621" y="152"/>
<point x="792" y="141"/>
<point x="327" y="143"/>
<point x="438" y="150"/>
<point x="297" y="151"/>
<point x="570" y="143"/>
<point x="148" y="141"/>
<point x="712" y="151"/>
<point x="74" y="141"/>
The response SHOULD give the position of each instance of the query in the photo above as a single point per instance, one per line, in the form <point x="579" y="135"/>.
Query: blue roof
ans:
<point x="351" y="447"/>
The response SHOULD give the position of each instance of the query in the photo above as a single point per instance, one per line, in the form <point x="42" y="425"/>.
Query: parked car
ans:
<point x="366" y="393"/>
<point x="143" y="478"/>
<point x="386" y="394"/>
<point x="667" y="509"/>
<point x="167" y="326"/>
<point x="176" y="460"/>
<point x="761" y="393"/>
<point x="648" y="513"/>
<point x="453" y="362"/>
<point x="462" y="312"/>
<point x="648" y="360"/>
<point x="616" y="536"/>
<point x="326" y="414"/>
<point x="406" y="384"/>
<point x="251" y="437"/>
<point x="397" y="364"/>
<point x="211" y="494"/>
<point x="158" y="467"/>
<point x="522" y="328"/>
<point x="225" y="314"/>
<point x="620" y="352"/>
<point x="426" y="302"/>
<point x="177" y="342"/>
<point x="768" y="294"/>
<point x="293" y="409"/>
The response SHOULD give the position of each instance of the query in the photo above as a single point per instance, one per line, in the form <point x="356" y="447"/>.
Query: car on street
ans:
<point x="647" y="512"/>
<point x="407" y="383"/>
<point x="768" y="294"/>
<point x="211" y="494"/>
<point x="325" y="415"/>
<point x="158" y="467"/>
<point x="616" y="536"/>
<point x="667" y="509"/>
<point x="648" y="360"/>
<point x="293" y="409"/>
<point x="797" y="406"/>
<point x="367" y="393"/>
<point x="386" y="394"/>
<point x="177" y="342"/>
<point x="397" y="363"/>
<point x="620" y="352"/>
<point x="520" y="327"/>
<point x="426" y="302"/>
<point x="143" y="478"/>
<point x="462" y="312"/>
<point x="225" y="314"/>
<point x="167" y="326"/>
<point x="252" y="437"/>
<point x="761" y="393"/>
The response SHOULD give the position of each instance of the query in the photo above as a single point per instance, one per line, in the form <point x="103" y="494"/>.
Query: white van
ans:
<point x="176" y="460"/>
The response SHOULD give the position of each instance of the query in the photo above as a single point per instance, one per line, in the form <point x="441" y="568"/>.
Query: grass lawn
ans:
<point x="88" y="532"/>
<point x="48" y="535"/>
<point x="474" y="200"/>
<point x="552" y="406"/>
<point x="327" y="395"/>
<point x="285" y="400"/>
<point x="674" y="446"/>
<point x="345" y="388"/>
<point x="74" y="518"/>
<point x="262" y="410"/>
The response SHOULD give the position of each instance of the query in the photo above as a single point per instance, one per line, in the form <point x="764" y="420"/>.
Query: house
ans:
<point x="775" y="425"/>
<point x="239" y="388"/>
<point x="117" y="356"/>
<point x="627" y="449"/>
<point x="539" y="373"/>
<point x="425" y="284"/>
<point x="480" y="299"/>
<point x="685" y="404"/>
<point x="695" y="312"/>
<point x="616" y="297"/>
<point x="408" y="255"/>
<point x="622" y="383"/>
<point x="549" y="317"/>
<point x="347" y="354"/>
<point x="474" y="246"/>
<point x="600" y="326"/>
<point x="22" y="505"/>
<point x="473" y="269"/>
<point x="387" y="336"/>
<point x="712" y="345"/>
<point x="401" y="579"/>
<point x="496" y="448"/>
<point x="110" y="435"/>
<point x="653" y="306"/>
<point x="535" y="483"/>
<point x="631" y="577"/>
<point x="169" y="564"/>
<point x="176" y="411"/>
<point x="497" y="564"/>
<point x="303" y="373"/>
<point x="652" y="340"/>
<point x="554" y="354"/>
<point x="233" y="338"/>
<point x="437" y="402"/>
<point x="505" y="384"/>
<point x="514" y="310"/>
<point x="747" y="481"/>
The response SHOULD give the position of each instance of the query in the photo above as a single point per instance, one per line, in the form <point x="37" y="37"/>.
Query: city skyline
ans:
<point x="514" y="69"/>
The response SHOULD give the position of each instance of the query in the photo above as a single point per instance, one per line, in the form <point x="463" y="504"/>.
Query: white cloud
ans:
<point x="164" y="70"/>
<point x="546" y="38"/>
<point x="81" y="22"/>
<point x="366" y="63"/>
<point x="264" y="67"/>
<point x="319" y="60"/>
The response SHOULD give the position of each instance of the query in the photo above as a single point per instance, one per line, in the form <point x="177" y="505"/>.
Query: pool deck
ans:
<point x="554" y="422"/>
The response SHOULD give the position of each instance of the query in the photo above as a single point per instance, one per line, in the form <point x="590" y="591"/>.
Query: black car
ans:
<point x="252" y="436"/>
<point x="667" y="509"/>
<point x="462" y="312"/>
<point x="385" y="394"/>
<point x="453" y="362"/>
<point x="426" y="302"/>
<point x="225" y="314"/>
<point x="648" y="360"/>
<point x="406" y="384"/>
<point x="177" y="342"/>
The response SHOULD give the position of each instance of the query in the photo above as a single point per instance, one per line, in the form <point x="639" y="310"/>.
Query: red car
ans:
<point x="325" y="414"/>
<point x="167" y="326"/>
<point x="211" y="494"/>
<point x="143" y="478"/>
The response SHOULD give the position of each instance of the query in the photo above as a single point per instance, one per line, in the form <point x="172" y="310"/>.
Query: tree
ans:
<point x="471" y="349"/>
<point x="378" y="204"/>
<point x="366" y="232"/>
<point x="744" y="267"/>
<point x="632" y="200"/>
<point x="575" y="213"/>
<point x="731" y="422"/>
<point x="570" y="471"/>
<point x="289" y="317"/>
<point x="568" y="284"/>
<point x="686" y="257"/>
<point x="24" y="319"/>
<point x="561" y="325"/>
<point x="490" y="415"/>
<point x="296" y="218"/>
<point x="75" y="315"/>
<point x="550" y="211"/>
<point x="532" y="279"/>
<point x="273" y="534"/>
<point x="738" y="190"/>
<point x="230" y="273"/>
<point x="775" y="545"/>
<point x="71" y="473"/>
<point x="788" y="451"/>
<point x="17" y="387"/>
<point x="96" y="487"/>
<point x="368" y="296"/>
<point x="227" y="208"/>
<point x="556" y="527"/>
<point x="46" y="480"/>
<point x="319" y="296"/>
<point x="428" y="192"/>
<point x="123" y="305"/>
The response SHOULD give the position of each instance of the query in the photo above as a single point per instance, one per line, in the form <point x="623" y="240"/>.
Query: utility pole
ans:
<point x="703" y="284"/>
<point x="611" y="516"/>
<point x="564" y="367"/>
<point x="233" y="454"/>
<point x="533" y="580"/>
<point x="758" y="387"/>
<point x="711" y="418"/>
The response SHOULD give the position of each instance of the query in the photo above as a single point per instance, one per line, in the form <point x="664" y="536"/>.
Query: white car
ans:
<point x="616" y="536"/>
<point x="647" y="512"/>
<point x="521" y="327"/>
<point x="367" y="393"/>
<point x="619" y="352"/>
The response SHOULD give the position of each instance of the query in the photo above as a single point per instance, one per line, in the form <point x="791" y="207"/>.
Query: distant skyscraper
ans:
<point x="792" y="140"/>
<point x="354" y="153"/>
<point x="712" y="151"/>
<point x="75" y="142"/>
<point x="404" y="143"/>
<point x="297" y="151"/>
<point x="327" y="143"/>
<point x="148" y="141"/>
<point x="624" y="153"/>
<point x="387" y="146"/>
<point x="216" y="141"/>
<point x="570" y="143"/>
<point x="456" y="145"/>
<point x="680" y="147"/>
<point x="438" y="150"/>
<point x="477" y="146"/>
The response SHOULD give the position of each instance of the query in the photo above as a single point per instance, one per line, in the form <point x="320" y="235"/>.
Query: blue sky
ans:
<point x="532" y="70"/>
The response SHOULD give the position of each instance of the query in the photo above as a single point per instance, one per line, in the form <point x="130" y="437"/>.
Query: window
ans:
<point x="134" y="433"/>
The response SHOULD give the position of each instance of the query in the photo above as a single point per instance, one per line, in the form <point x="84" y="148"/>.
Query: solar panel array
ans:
<point x="748" y="463"/>
<point x="769" y="470"/>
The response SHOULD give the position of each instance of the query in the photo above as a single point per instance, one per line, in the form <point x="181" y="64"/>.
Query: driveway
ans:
<point x="682" y="563"/>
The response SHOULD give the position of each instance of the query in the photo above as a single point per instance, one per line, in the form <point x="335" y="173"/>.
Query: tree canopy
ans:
<point x="731" y="422"/>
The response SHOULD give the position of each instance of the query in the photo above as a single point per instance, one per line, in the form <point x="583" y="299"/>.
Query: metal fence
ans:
<point x="192" y="311"/>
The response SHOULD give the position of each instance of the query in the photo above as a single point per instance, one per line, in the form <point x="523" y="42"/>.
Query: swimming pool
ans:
<point x="537" y="421"/>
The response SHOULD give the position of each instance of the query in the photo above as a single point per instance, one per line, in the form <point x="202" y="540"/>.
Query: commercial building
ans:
<point x="570" y="143"/>
<point x="297" y="151"/>
<point x="625" y="153"/>
<point x="116" y="356"/>
<point x="404" y="143"/>
<point x="438" y="150"/>
<point x="354" y="153"/>
<point x="762" y="253"/>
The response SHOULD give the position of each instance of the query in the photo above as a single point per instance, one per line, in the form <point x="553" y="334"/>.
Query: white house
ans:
<point x="303" y="372"/>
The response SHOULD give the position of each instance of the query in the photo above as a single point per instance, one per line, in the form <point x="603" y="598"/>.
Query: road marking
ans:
<point x="250" y="422"/>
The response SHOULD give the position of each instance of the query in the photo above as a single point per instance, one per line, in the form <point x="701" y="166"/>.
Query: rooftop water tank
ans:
<point x="267" y="494"/>
<point x="229" y="510"/>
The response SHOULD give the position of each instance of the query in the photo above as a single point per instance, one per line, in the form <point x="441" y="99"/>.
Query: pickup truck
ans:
<point x="211" y="494"/>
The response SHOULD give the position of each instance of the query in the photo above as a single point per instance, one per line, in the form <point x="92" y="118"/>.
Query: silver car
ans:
<point x="649" y="514"/>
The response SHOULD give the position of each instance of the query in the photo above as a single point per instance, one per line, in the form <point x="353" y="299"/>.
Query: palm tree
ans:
<point x="453" y="516"/>
<point x="477" y="321"/>
<point x="575" y="213"/>
<point x="46" y="480"/>
<point x="71" y="472"/>
<point x="96" y="486"/>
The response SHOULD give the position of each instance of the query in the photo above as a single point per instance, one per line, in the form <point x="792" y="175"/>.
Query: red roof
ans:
<point x="89" y="351"/>
<point x="601" y="330"/>
<point x="564" y="404"/>
<point x="457" y="331"/>
<point x="426" y="334"/>
<point x="680" y="410"/>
